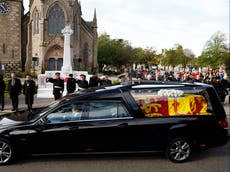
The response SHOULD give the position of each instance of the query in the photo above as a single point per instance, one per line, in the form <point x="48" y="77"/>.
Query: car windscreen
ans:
<point x="38" y="112"/>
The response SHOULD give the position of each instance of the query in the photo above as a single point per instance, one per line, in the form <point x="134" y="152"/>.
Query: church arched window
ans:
<point x="36" y="22"/>
<point x="51" y="64"/>
<point x="75" y="26"/>
<point x="56" y="20"/>
<point x="86" y="51"/>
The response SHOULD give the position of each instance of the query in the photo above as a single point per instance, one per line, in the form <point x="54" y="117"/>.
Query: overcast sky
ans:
<point x="159" y="23"/>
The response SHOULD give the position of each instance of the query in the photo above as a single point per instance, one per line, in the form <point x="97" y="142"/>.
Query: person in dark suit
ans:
<point x="105" y="81"/>
<point x="14" y="87"/>
<point x="29" y="91"/>
<point x="82" y="82"/>
<point x="71" y="84"/>
<point x="94" y="80"/>
<point x="2" y="91"/>
<point x="58" y="86"/>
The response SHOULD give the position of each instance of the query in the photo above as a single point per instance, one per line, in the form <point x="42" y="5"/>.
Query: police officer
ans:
<point x="58" y="86"/>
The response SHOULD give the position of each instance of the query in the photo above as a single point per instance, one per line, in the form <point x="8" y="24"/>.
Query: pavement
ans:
<point x="39" y="102"/>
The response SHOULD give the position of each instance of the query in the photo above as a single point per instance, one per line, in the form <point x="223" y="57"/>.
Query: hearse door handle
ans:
<point x="123" y="125"/>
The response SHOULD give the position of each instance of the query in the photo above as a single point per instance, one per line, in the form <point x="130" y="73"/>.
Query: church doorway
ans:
<point x="54" y="58"/>
<point x="55" y="64"/>
<point x="59" y="63"/>
<point x="51" y="65"/>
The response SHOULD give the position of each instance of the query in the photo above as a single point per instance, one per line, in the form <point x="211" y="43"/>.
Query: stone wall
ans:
<point x="10" y="35"/>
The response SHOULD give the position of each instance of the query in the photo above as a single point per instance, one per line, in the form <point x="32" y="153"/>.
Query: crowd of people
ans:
<point x="15" y="88"/>
<point x="216" y="78"/>
<point x="58" y="83"/>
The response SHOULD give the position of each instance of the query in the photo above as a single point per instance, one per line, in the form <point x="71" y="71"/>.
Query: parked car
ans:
<point x="174" y="118"/>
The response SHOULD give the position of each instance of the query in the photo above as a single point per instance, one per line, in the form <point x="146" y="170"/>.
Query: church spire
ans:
<point x="95" y="19"/>
<point x="95" y="43"/>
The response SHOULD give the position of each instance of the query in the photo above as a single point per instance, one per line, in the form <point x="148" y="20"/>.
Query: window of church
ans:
<point x="4" y="48"/>
<point x="52" y="65"/>
<point x="12" y="54"/>
<point x="75" y="62"/>
<point x="75" y="26"/>
<point x="36" y="22"/>
<point x="56" y="20"/>
<point x="59" y="63"/>
<point x="86" y="51"/>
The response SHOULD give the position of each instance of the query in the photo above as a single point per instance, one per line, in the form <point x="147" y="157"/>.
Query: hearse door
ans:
<point x="57" y="131"/>
<point x="107" y="127"/>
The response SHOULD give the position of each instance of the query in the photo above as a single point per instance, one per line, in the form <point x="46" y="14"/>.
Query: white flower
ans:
<point x="170" y="93"/>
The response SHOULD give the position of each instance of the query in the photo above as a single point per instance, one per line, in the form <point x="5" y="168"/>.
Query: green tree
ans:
<point x="190" y="58"/>
<point x="122" y="54"/>
<point x="178" y="56"/>
<point x="150" y="57"/>
<point x="117" y="52"/>
<point x="138" y="55"/>
<point x="174" y="56"/>
<point x="215" y="51"/>
<point x="169" y="58"/>
<point x="104" y="49"/>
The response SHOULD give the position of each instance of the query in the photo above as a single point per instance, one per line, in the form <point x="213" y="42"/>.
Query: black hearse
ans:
<point x="174" y="118"/>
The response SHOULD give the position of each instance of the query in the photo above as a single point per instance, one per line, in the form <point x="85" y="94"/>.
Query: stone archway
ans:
<point x="54" y="58"/>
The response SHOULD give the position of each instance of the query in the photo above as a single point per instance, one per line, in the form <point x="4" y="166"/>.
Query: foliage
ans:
<point x="147" y="56"/>
<point x="138" y="54"/>
<point x="114" y="51"/>
<point x="215" y="52"/>
<point x="178" y="56"/>
<point x="150" y="57"/>
<point x="119" y="52"/>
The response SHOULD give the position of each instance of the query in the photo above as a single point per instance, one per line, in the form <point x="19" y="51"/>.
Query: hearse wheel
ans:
<point x="6" y="152"/>
<point x="179" y="150"/>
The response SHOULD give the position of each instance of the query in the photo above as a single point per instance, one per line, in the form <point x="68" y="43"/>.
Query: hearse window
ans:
<point x="166" y="102"/>
<point x="106" y="110"/>
<point x="69" y="112"/>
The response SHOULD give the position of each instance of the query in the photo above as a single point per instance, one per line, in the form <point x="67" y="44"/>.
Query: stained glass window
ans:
<point x="75" y="26"/>
<point x="86" y="51"/>
<point x="56" y="20"/>
<point x="36" y="22"/>
<point x="52" y="65"/>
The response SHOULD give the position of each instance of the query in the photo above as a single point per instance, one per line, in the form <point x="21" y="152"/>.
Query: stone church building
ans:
<point x="34" y="42"/>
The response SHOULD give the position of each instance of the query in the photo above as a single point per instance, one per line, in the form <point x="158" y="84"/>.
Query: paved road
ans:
<point x="212" y="160"/>
<point x="38" y="102"/>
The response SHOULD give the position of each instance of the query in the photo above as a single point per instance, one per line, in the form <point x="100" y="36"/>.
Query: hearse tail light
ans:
<point x="223" y="123"/>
